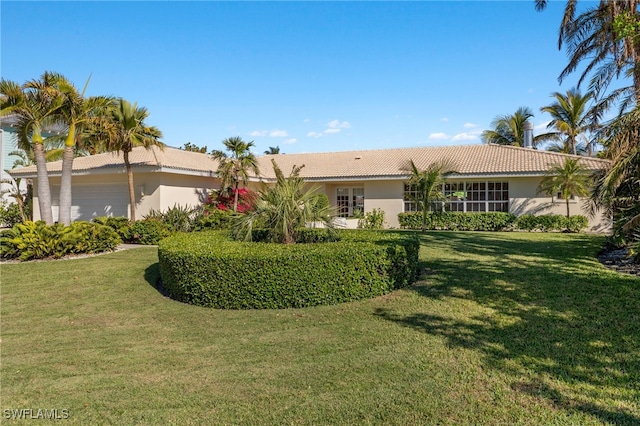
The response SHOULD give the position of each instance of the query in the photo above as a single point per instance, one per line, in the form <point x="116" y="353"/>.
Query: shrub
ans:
<point x="176" y="218"/>
<point x="209" y="269"/>
<point x="37" y="240"/>
<point x="552" y="222"/>
<point x="211" y="219"/>
<point x="149" y="231"/>
<point x="372" y="220"/>
<point x="456" y="221"/>
<point x="9" y="214"/>
<point x="121" y="225"/>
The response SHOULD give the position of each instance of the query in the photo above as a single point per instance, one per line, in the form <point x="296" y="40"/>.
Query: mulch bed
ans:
<point x="619" y="260"/>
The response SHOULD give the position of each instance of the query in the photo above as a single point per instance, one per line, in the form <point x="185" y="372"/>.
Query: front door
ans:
<point x="349" y="200"/>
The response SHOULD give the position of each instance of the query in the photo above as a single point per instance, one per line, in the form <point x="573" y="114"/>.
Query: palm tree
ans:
<point x="428" y="184"/>
<point x="285" y="207"/>
<point x="607" y="38"/>
<point x="568" y="179"/>
<point x="273" y="150"/>
<point x="570" y="118"/>
<point x="509" y="129"/>
<point x="77" y="112"/>
<point x="34" y="106"/>
<point x="235" y="168"/>
<point x="125" y="130"/>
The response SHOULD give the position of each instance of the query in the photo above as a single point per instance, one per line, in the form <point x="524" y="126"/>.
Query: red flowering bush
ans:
<point x="223" y="200"/>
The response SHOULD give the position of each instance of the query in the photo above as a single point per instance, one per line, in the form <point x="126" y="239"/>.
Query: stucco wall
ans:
<point x="184" y="190"/>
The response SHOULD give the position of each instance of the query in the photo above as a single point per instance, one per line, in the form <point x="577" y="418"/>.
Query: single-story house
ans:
<point x="487" y="178"/>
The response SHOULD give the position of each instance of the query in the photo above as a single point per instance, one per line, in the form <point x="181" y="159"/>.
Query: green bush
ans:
<point x="9" y="214"/>
<point x="37" y="240"/>
<point x="456" y="221"/>
<point x="301" y="235"/>
<point x="121" y="225"/>
<point x="149" y="231"/>
<point x="212" y="219"/>
<point x="372" y="220"/>
<point x="209" y="269"/>
<point x="552" y="222"/>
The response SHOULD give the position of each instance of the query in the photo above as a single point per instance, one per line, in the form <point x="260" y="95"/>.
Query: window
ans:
<point x="463" y="196"/>
<point x="410" y="194"/>
<point x="349" y="200"/>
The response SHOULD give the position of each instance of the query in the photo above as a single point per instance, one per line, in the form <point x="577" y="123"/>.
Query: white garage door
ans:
<point x="95" y="200"/>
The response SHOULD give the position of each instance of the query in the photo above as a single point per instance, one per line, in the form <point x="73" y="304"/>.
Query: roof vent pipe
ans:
<point x="528" y="134"/>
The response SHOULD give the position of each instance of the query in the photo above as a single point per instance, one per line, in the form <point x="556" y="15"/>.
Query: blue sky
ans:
<point x="304" y="76"/>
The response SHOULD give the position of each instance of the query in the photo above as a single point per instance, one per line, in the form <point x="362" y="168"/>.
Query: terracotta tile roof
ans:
<point x="169" y="158"/>
<point x="485" y="159"/>
<point x="481" y="160"/>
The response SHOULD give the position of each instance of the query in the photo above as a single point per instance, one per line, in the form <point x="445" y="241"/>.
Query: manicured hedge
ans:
<point x="456" y="221"/>
<point x="551" y="222"/>
<point x="493" y="221"/>
<point x="209" y="269"/>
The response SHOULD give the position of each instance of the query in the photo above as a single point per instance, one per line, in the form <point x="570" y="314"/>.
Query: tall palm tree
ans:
<point x="285" y="207"/>
<point x="568" y="179"/>
<point x="234" y="167"/>
<point x="428" y="184"/>
<point x="77" y="112"/>
<point x="509" y="129"/>
<point x="126" y="130"/>
<point x="34" y="106"/>
<point x="570" y="118"/>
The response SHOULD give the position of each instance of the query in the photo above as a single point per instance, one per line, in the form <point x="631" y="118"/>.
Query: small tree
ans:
<point x="234" y="168"/>
<point x="567" y="179"/>
<point x="285" y="207"/>
<point x="428" y="184"/>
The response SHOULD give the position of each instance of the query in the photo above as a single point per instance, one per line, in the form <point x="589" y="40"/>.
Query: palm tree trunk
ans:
<point x="64" y="212"/>
<point x="64" y="209"/>
<point x="132" y="194"/>
<point x="235" y="199"/>
<point x="567" y="200"/>
<point x="44" y="192"/>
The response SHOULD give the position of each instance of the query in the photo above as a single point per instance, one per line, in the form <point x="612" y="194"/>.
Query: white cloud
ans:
<point x="439" y="136"/>
<point x="259" y="133"/>
<point x="444" y="119"/>
<point x="465" y="137"/>
<point x="275" y="133"/>
<point x="469" y="125"/>
<point x="290" y="141"/>
<point x="333" y="131"/>
<point x="337" y="124"/>
<point x="314" y="135"/>
<point x="306" y="120"/>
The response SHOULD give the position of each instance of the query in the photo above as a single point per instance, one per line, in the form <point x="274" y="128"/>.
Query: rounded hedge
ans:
<point x="209" y="269"/>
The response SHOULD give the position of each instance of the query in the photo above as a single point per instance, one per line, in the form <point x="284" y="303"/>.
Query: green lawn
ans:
<point x="505" y="328"/>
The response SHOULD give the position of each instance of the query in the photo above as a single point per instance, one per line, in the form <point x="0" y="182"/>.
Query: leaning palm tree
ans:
<point x="570" y="118"/>
<point x="568" y="179"/>
<point x="428" y="184"/>
<point x="125" y="129"/>
<point x="287" y="206"/>
<point x="77" y="112"/>
<point x="234" y="167"/>
<point x="33" y="106"/>
<point x="509" y="129"/>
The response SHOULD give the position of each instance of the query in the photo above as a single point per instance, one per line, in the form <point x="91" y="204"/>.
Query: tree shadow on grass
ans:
<point x="543" y="306"/>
